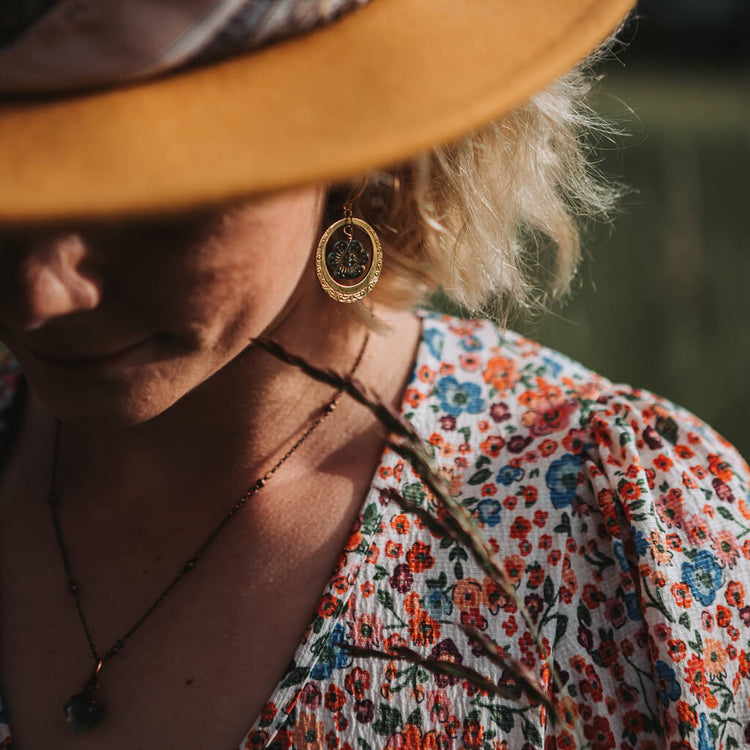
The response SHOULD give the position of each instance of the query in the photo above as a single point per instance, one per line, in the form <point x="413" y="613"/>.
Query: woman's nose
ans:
<point x="49" y="278"/>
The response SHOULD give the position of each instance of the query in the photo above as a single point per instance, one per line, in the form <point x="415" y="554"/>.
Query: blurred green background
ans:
<point x="663" y="295"/>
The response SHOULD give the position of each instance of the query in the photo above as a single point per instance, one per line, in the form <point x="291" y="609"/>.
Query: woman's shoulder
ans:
<point x="472" y="379"/>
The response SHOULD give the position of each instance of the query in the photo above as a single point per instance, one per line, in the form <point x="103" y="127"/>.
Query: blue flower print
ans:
<point x="619" y="551"/>
<point x="705" y="735"/>
<point x="703" y="576"/>
<point x="331" y="656"/>
<point x="456" y="397"/>
<point x="640" y="541"/>
<point x="509" y="474"/>
<point x="437" y="604"/>
<point x="633" y="606"/>
<point x="434" y="340"/>
<point x="562" y="478"/>
<point x="488" y="512"/>
<point x="666" y="684"/>
<point x="555" y="367"/>
<point x="470" y="344"/>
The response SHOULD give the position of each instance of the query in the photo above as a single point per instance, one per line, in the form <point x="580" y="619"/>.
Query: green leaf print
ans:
<point x="389" y="721"/>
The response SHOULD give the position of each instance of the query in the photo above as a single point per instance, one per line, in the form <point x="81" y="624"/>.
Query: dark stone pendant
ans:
<point x="83" y="711"/>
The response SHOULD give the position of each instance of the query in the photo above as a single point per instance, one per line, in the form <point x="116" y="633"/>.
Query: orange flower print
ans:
<point x="501" y="373"/>
<point x="720" y="468"/>
<point x="467" y="594"/>
<point x="726" y="547"/>
<point x="670" y="508"/>
<point x="697" y="530"/>
<point x="695" y="672"/>
<point x="419" y="558"/>
<point x="714" y="657"/>
<point x="735" y="594"/>
<point x="686" y="713"/>
<point x="400" y="524"/>
<point x="515" y="567"/>
<point x="423" y="630"/>
<point x="308" y="733"/>
<point x="661" y="554"/>
<point x="681" y="594"/>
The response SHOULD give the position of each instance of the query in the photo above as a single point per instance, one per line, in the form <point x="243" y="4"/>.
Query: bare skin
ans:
<point x="157" y="444"/>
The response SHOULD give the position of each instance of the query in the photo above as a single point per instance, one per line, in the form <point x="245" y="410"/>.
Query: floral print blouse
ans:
<point x="622" y="520"/>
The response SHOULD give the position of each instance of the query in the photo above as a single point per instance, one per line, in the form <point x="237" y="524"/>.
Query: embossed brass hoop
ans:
<point x="360" y="289"/>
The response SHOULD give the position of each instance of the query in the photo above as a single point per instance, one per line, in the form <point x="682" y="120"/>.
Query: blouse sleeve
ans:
<point x="667" y="502"/>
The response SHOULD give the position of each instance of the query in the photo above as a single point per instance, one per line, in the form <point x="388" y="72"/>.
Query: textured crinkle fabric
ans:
<point x="624" y="523"/>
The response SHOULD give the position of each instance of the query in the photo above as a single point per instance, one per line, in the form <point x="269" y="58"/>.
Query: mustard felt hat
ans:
<point x="131" y="107"/>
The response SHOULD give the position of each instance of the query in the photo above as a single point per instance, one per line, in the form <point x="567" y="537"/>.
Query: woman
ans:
<point x="152" y="229"/>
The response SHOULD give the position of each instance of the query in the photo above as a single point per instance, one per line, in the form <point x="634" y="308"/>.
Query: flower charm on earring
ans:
<point x="349" y="258"/>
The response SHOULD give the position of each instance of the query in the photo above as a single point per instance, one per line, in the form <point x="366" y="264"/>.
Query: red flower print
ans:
<point x="492" y="595"/>
<point x="592" y="685"/>
<point x="419" y="557"/>
<point x="492" y="445"/>
<point x="473" y="734"/>
<point x="268" y="714"/>
<point x="310" y="696"/>
<point x="608" y="652"/>
<point x="695" y="672"/>
<point x="328" y="606"/>
<point x="663" y="462"/>
<point x="438" y="705"/>
<point x="675" y="542"/>
<point x="735" y="594"/>
<point x="413" y="397"/>
<point x="628" y="491"/>
<point x="335" y="698"/>
<point x="402" y="579"/>
<point x="393" y="549"/>
<point x="520" y="528"/>
<point x="592" y="596"/>
<point x="633" y="722"/>
<point x="723" y="615"/>
<point x="599" y="734"/>
<point x="357" y="682"/>
<point x="472" y="618"/>
<point x="548" y="447"/>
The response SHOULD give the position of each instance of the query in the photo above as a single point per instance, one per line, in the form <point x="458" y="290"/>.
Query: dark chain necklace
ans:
<point x="84" y="710"/>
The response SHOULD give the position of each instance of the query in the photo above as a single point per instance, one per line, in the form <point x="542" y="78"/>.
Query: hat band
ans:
<point x="84" y="44"/>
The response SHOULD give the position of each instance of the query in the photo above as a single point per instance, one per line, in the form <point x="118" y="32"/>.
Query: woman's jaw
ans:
<point x="117" y="325"/>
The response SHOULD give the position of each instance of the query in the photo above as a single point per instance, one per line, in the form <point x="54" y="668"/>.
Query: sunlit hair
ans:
<point x="493" y="220"/>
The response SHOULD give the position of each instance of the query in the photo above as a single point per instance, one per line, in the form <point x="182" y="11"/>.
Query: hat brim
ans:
<point x="385" y="82"/>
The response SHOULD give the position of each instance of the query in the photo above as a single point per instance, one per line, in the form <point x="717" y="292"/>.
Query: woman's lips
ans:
<point x="89" y="361"/>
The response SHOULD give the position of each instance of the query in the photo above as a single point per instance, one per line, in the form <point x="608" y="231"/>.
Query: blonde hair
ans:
<point x="492" y="220"/>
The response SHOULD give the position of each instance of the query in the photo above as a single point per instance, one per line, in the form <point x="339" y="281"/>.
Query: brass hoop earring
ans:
<point x="349" y="258"/>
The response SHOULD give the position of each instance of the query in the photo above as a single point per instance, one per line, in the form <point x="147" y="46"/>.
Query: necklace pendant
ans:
<point x="83" y="711"/>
